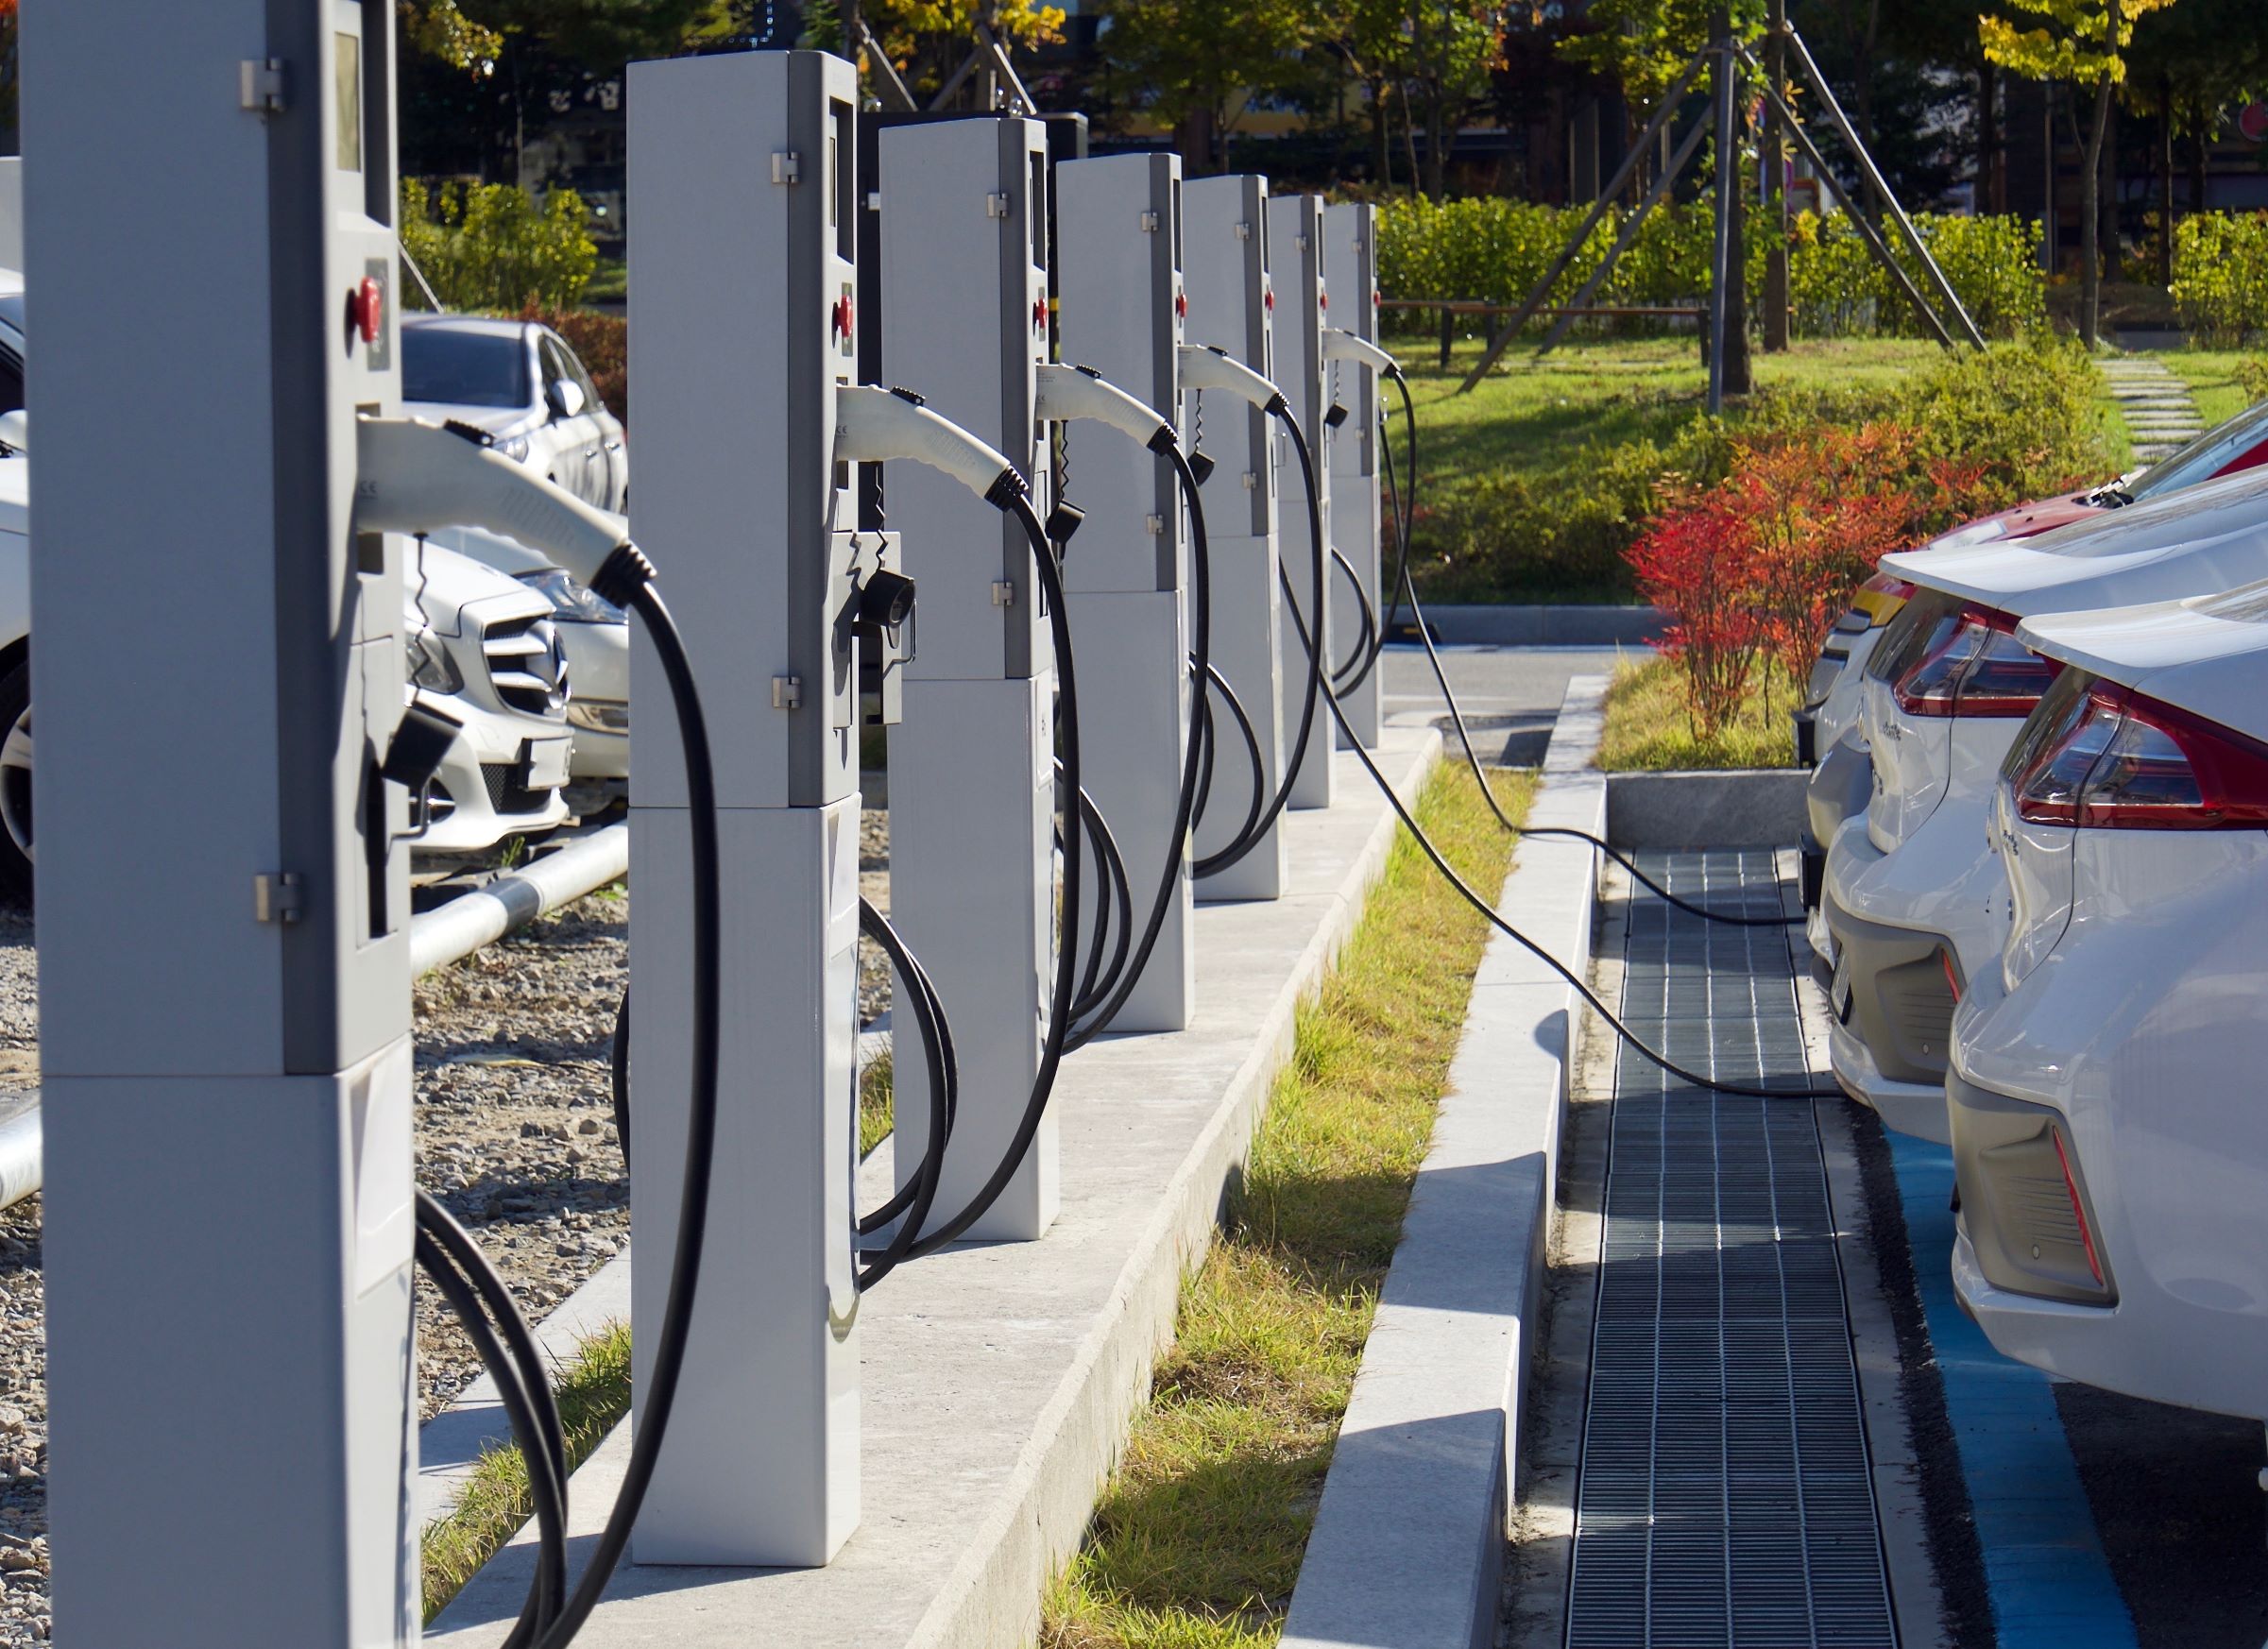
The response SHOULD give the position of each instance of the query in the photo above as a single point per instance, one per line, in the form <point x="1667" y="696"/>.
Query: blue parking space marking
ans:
<point x="2050" y="1583"/>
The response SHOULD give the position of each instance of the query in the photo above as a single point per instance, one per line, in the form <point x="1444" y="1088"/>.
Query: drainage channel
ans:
<point x="1724" y="1495"/>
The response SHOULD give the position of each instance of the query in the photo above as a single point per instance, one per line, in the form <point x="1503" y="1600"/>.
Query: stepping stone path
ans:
<point x="2156" y="406"/>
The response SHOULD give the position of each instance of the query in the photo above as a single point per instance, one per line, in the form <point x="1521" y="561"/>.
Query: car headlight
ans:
<point x="1966" y="537"/>
<point x="574" y="603"/>
<point x="513" y="446"/>
<point x="431" y="668"/>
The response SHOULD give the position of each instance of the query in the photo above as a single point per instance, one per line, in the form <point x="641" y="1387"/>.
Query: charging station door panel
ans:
<point x="1295" y="236"/>
<point x="746" y="319"/>
<point x="964" y="322"/>
<point x="1119" y="239"/>
<point x="223" y="1001"/>
<point x="1225" y="274"/>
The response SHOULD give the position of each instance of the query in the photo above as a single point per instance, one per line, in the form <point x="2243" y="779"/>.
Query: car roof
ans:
<point x="491" y="326"/>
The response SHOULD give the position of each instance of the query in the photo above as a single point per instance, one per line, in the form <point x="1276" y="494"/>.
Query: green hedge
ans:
<point x="2024" y="411"/>
<point x="1496" y="250"/>
<point x="489" y="246"/>
<point x="2221" y="273"/>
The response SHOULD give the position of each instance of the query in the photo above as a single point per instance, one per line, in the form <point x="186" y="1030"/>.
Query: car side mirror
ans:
<point x="15" y="430"/>
<point x="564" y="396"/>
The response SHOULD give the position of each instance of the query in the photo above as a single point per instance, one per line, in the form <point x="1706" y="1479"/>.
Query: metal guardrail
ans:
<point x="447" y="933"/>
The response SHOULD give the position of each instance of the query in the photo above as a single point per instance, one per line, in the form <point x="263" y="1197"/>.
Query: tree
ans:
<point x="1453" y="46"/>
<point x="1643" y="45"/>
<point x="2192" y="70"/>
<point x="1197" y="64"/>
<point x="2084" y="43"/>
<point x="927" y="40"/>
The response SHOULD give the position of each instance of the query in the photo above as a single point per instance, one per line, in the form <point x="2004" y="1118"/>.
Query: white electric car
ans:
<point x="483" y="649"/>
<point x="522" y="385"/>
<point x="2107" y="1123"/>
<point x="1828" y="725"/>
<point x="594" y="634"/>
<point x="1913" y="900"/>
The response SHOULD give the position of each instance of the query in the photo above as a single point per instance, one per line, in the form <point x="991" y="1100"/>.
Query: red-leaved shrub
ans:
<point x="1763" y="562"/>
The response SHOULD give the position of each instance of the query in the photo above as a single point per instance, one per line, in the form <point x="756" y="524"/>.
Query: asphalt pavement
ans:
<point x="1511" y="694"/>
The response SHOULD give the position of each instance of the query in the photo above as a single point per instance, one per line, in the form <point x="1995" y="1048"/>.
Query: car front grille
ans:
<point x="527" y="666"/>
<point x="506" y="795"/>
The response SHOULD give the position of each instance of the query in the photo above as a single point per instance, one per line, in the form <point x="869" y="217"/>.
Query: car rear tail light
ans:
<point x="2123" y="761"/>
<point x="1975" y="667"/>
<point x="2070" y="1189"/>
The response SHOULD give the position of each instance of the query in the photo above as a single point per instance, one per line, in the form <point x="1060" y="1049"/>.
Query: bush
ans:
<point x="1495" y="250"/>
<point x="1755" y="568"/>
<point x="2221" y="273"/>
<point x="2021" y="416"/>
<point x="487" y="246"/>
<point x="2252" y="377"/>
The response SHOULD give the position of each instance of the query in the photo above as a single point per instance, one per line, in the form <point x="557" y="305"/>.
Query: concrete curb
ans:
<point x="1748" y="807"/>
<point x="1545" y="626"/>
<point x="1409" y="1545"/>
<point x="999" y="1379"/>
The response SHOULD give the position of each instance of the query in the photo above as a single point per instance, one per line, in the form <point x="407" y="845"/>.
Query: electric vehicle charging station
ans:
<point x="1118" y="240"/>
<point x="1299" y="320"/>
<point x="745" y="253"/>
<point x="1225" y="275"/>
<point x="964" y="316"/>
<point x="231" y="1005"/>
<point x="1351" y="269"/>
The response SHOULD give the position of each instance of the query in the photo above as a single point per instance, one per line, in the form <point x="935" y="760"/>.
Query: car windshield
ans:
<point x="11" y="311"/>
<point x="2225" y="445"/>
<point x="464" y="368"/>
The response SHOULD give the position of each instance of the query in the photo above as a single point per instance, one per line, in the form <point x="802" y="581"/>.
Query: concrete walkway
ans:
<point x="998" y="1378"/>
<point x="2156" y="406"/>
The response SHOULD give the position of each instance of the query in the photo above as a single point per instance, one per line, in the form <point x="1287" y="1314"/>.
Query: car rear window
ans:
<point x="2235" y="445"/>
<point x="463" y="368"/>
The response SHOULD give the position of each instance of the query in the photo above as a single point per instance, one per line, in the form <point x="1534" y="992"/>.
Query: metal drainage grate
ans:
<point x="1724" y="1496"/>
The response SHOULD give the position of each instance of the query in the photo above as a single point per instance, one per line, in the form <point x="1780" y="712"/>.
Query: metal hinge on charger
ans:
<point x="277" y="896"/>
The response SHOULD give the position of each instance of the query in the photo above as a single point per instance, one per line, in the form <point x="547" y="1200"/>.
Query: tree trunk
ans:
<point x="1193" y="136"/>
<point x="1992" y="173"/>
<point x="1437" y="144"/>
<point x="2090" y="225"/>
<point x="1775" y="184"/>
<point x="1382" y="152"/>
<point x="2197" y="168"/>
<point x="1862" y="101"/>
<point x="2165" y="181"/>
<point x="2110" y="199"/>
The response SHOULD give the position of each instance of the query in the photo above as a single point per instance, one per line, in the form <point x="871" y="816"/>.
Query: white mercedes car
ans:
<point x="2106" y="1125"/>
<point x="1913" y="901"/>
<point x="520" y="382"/>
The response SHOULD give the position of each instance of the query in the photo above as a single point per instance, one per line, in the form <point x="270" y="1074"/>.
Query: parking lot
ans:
<point x="1763" y="1417"/>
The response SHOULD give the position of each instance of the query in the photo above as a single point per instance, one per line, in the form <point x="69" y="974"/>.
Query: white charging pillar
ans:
<point x="1295" y="247"/>
<point x="972" y="762"/>
<point x="1118" y="239"/>
<point x="743" y="313"/>
<point x="1351" y="271"/>
<point x="224" y="1004"/>
<point x="1224" y="262"/>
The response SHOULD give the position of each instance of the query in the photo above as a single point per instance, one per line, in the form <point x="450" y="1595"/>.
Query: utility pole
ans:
<point x="1774" y="188"/>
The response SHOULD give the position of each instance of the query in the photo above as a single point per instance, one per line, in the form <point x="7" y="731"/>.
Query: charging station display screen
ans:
<point x="347" y="74"/>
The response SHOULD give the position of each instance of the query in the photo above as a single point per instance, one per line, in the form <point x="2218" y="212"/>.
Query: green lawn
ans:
<point x="1197" y="1540"/>
<point x="2211" y="377"/>
<point x="1535" y="416"/>
<point x="1648" y="729"/>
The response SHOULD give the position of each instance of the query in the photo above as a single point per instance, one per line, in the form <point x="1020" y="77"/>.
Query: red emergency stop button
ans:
<point x="1039" y="315"/>
<point x="370" y="309"/>
<point x="1268" y="301"/>
<point x="1322" y="301"/>
<point x="1181" y="305"/>
<point x="842" y="315"/>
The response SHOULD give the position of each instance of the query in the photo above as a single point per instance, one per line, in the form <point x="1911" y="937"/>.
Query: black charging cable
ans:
<point x="915" y="1198"/>
<point x="1405" y="516"/>
<point x="1440" y="863"/>
<point x="1010" y="493"/>
<point x="546" y="1619"/>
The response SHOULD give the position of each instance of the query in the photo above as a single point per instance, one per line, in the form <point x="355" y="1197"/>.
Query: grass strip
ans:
<point x="1648" y="729"/>
<point x="594" y="1394"/>
<point x="1198" y="1538"/>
